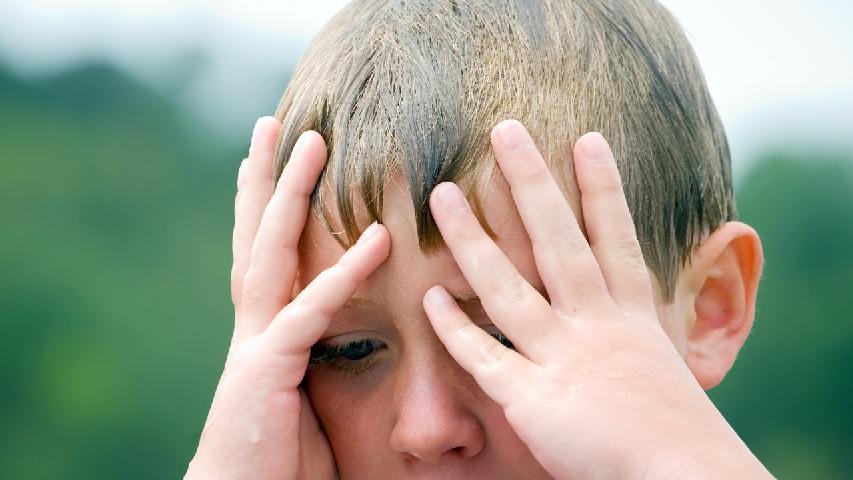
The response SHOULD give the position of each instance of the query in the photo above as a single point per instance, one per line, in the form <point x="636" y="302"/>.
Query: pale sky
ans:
<point x="779" y="71"/>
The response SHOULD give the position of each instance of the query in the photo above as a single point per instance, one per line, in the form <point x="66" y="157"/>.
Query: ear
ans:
<point x="721" y="283"/>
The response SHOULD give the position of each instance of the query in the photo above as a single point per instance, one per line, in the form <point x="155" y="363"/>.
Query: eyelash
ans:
<point x="499" y="336"/>
<point x="336" y="355"/>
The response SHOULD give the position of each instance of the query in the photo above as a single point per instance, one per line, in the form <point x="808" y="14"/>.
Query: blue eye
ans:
<point x="358" y="350"/>
<point x="354" y="356"/>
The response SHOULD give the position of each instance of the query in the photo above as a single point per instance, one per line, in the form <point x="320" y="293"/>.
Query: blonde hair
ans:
<point x="414" y="87"/>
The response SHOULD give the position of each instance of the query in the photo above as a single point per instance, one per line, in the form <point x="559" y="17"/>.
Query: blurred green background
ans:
<point x="116" y="202"/>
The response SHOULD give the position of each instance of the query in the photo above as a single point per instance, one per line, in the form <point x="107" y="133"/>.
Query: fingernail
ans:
<point x="368" y="233"/>
<point x="596" y="149"/>
<point x="451" y="198"/>
<point x="438" y="299"/>
<point x="512" y="134"/>
<point x="258" y="131"/>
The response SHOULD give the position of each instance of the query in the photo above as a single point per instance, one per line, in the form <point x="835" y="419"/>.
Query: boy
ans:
<point x="555" y="327"/>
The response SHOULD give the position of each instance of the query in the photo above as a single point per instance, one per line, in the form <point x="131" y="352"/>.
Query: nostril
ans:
<point x="416" y="456"/>
<point x="460" y="450"/>
<point x="455" y="452"/>
<point x="411" y="457"/>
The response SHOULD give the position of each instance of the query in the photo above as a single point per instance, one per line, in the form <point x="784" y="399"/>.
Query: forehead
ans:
<point x="404" y="277"/>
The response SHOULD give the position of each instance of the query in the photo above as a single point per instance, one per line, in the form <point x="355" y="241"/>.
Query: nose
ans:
<point x="436" y="420"/>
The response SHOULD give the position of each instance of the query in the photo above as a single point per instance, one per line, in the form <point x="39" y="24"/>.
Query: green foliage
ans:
<point x="790" y="392"/>
<point x="114" y="309"/>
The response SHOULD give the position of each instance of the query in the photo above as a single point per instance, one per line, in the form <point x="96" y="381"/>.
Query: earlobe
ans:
<point x="723" y="281"/>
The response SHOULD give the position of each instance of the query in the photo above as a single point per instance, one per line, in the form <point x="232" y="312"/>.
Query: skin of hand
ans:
<point x="260" y="423"/>
<point x="592" y="357"/>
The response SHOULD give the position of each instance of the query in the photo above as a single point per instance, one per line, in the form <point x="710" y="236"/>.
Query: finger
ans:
<point x="517" y="309"/>
<point x="300" y="324"/>
<point x="564" y="260"/>
<point x="240" y="181"/>
<point x="255" y="191"/>
<point x="609" y="226"/>
<point x="500" y="371"/>
<point x="268" y="283"/>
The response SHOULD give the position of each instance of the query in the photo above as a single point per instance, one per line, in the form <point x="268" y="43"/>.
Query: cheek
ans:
<point x="503" y="442"/>
<point x="353" y="411"/>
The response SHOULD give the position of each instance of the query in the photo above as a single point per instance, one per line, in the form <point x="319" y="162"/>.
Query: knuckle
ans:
<point x="535" y="172"/>
<point x="235" y="295"/>
<point x="296" y="311"/>
<point x="467" y="231"/>
<point x="244" y="358"/>
<point x="284" y="186"/>
<point x="236" y="274"/>
<point x="559" y="232"/>
<point x="236" y="284"/>
<point x="241" y="174"/>
<point x="340" y="274"/>
<point x="258" y="360"/>
<point x="610" y="186"/>
<point x="628" y="249"/>
<point x="511" y="289"/>
<point x="493" y="350"/>
<point x="589" y="264"/>
<point x="252" y="291"/>
<point x="270" y="231"/>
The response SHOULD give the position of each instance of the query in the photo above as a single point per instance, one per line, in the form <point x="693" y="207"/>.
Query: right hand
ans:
<point x="261" y="424"/>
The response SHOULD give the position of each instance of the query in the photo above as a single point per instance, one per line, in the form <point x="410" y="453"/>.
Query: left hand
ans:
<point x="594" y="387"/>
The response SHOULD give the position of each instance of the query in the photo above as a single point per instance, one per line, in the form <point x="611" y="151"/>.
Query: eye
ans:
<point x="358" y="350"/>
<point x="353" y="356"/>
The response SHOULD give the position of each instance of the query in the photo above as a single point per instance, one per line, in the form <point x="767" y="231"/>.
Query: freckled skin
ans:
<point x="415" y="412"/>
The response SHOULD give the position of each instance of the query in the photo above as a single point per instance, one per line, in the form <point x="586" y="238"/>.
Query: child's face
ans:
<point x="405" y="408"/>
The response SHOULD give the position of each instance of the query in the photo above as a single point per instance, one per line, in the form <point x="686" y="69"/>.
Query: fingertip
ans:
<point x="450" y="198"/>
<point x="306" y="162"/>
<point x="312" y="134"/>
<point x="268" y="122"/>
<point x="436" y="300"/>
<point x="384" y="237"/>
<point x="503" y="124"/>
<point x="594" y="149"/>
<point x="376" y="236"/>
<point x="434" y="194"/>
<point x="441" y="187"/>
<point x="266" y="129"/>
<point x="311" y="145"/>
<point x="369" y="232"/>
<point x="511" y="135"/>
